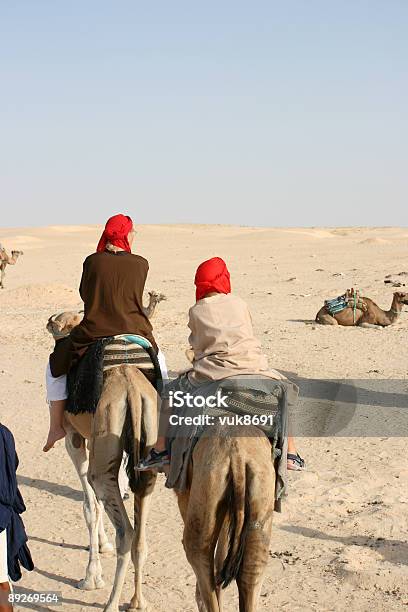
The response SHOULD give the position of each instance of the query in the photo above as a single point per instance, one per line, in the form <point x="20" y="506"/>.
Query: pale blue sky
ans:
<point x="255" y="113"/>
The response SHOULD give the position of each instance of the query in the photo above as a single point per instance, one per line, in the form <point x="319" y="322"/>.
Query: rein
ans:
<point x="355" y="298"/>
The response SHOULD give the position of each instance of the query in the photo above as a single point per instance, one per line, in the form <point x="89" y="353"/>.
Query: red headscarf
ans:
<point x="116" y="232"/>
<point x="212" y="276"/>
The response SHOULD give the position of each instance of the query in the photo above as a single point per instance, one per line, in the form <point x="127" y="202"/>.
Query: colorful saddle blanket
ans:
<point x="336" y="305"/>
<point x="128" y="349"/>
<point x="85" y="379"/>
<point x="347" y="300"/>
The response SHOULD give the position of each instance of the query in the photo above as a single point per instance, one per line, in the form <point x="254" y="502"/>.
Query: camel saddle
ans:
<point x="251" y="395"/>
<point x="85" y="379"/>
<point x="347" y="300"/>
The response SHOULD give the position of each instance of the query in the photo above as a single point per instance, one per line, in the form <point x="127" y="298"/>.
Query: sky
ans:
<point x="261" y="113"/>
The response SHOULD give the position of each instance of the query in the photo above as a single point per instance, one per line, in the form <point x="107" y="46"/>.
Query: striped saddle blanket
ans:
<point x="127" y="349"/>
<point x="85" y="379"/>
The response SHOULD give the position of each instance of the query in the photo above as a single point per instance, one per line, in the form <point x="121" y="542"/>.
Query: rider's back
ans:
<point x="112" y="291"/>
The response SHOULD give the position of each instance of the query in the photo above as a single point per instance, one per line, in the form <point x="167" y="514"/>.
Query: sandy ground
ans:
<point x="341" y="541"/>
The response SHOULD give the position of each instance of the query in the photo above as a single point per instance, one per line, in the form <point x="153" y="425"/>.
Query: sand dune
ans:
<point x="22" y="242"/>
<point x="73" y="229"/>
<point x="341" y="542"/>
<point x="374" y="241"/>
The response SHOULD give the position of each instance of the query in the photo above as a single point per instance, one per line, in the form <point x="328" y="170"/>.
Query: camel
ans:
<point x="6" y="260"/>
<point x="369" y="315"/>
<point x="61" y="325"/>
<point x="227" y="512"/>
<point x="127" y="397"/>
<point x="127" y="406"/>
<point x="154" y="299"/>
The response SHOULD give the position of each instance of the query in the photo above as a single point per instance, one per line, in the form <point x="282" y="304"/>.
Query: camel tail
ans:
<point x="238" y="504"/>
<point x="132" y="436"/>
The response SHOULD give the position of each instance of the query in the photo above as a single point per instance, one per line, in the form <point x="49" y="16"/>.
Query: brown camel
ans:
<point x="227" y="512"/>
<point x="127" y="397"/>
<point x="6" y="260"/>
<point x="370" y="315"/>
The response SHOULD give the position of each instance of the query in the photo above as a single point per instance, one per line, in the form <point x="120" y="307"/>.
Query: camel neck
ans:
<point x="395" y="309"/>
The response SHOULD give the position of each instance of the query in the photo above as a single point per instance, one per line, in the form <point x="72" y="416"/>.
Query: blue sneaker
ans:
<point x="153" y="461"/>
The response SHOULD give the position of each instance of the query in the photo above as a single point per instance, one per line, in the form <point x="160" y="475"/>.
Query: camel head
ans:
<point x="402" y="298"/>
<point x="154" y="299"/>
<point x="60" y="325"/>
<point x="16" y="253"/>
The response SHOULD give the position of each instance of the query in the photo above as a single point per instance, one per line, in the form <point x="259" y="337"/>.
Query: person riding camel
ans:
<point x="112" y="285"/>
<point x="222" y="344"/>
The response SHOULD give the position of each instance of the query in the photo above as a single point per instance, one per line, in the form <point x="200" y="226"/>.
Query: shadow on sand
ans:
<point x="393" y="551"/>
<point x="64" y="601"/>
<point x="305" y="321"/>
<point x="51" y="487"/>
<point x="59" y="544"/>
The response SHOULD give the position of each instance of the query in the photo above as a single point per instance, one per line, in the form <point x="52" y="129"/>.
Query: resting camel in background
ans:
<point x="127" y="398"/>
<point x="227" y="512"/>
<point x="368" y="316"/>
<point x="6" y="260"/>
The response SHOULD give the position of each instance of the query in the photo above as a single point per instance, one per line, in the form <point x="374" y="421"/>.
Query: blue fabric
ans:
<point x="143" y="342"/>
<point x="11" y="506"/>
<point x="336" y="305"/>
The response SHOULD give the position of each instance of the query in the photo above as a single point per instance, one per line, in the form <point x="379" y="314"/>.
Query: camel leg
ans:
<point x="139" y="547"/>
<point x="261" y="487"/>
<point x="2" y="275"/>
<point x="220" y="556"/>
<point x="122" y="478"/>
<point x="182" y="499"/>
<point x="324" y="318"/>
<point x="104" y="545"/>
<point x="75" y="445"/>
<point x="370" y="326"/>
<point x="105" y="460"/>
<point x="201" y="531"/>
<point x="250" y="578"/>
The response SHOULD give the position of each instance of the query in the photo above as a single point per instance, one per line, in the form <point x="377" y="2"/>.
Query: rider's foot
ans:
<point x="295" y="462"/>
<point x="53" y="436"/>
<point x="154" y="461"/>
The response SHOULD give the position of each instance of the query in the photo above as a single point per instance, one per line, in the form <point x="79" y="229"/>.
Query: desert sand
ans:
<point x="341" y="540"/>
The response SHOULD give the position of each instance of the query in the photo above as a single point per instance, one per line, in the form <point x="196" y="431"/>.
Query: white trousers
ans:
<point x="3" y="557"/>
<point x="57" y="386"/>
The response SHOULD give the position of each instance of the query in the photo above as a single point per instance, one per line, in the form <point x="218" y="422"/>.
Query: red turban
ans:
<point x="116" y="232"/>
<point x="212" y="276"/>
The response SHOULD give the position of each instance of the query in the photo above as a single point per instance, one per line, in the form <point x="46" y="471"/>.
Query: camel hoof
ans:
<point x="106" y="548"/>
<point x="141" y="606"/>
<point x="91" y="584"/>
